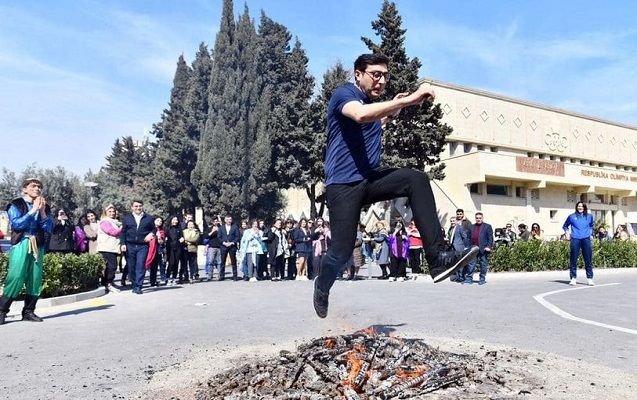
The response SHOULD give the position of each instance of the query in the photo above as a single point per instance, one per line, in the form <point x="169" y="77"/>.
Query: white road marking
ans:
<point x="556" y="310"/>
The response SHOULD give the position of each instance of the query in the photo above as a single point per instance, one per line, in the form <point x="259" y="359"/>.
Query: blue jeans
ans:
<point x="483" y="259"/>
<point x="587" y="251"/>
<point x="136" y="260"/>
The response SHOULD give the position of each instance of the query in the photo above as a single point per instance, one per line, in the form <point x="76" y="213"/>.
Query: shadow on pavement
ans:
<point x="563" y="281"/>
<point x="78" y="311"/>
<point x="386" y="329"/>
<point x="161" y="288"/>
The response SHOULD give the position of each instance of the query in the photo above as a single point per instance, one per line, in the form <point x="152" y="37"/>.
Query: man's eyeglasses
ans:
<point x="376" y="75"/>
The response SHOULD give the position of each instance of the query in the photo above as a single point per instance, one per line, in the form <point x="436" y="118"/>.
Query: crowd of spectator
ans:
<point x="283" y="250"/>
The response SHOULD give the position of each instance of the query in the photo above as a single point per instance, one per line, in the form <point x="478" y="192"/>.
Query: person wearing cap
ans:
<point x="30" y="219"/>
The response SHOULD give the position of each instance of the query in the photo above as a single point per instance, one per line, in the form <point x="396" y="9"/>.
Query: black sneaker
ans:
<point x="321" y="300"/>
<point x="448" y="262"/>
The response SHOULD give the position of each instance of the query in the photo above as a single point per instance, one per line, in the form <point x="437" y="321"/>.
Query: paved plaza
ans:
<point x="112" y="346"/>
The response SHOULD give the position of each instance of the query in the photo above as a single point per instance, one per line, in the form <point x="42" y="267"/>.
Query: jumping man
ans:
<point x="354" y="177"/>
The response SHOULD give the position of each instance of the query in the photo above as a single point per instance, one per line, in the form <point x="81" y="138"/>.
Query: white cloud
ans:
<point x="587" y="72"/>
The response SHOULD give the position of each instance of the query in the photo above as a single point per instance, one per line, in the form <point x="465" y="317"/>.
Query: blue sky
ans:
<point x="75" y="75"/>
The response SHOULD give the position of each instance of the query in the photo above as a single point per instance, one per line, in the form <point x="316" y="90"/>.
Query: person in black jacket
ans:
<point x="138" y="229"/>
<point x="229" y="237"/>
<point x="302" y="237"/>
<point x="277" y="243"/>
<point x="174" y="248"/>
<point x="61" y="240"/>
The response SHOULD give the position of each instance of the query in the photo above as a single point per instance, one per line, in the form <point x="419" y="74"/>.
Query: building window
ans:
<point x="493" y="149"/>
<point x="571" y="196"/>
<point x="452" y="148"/>
<point x="499" y="190"/>
<point x="624" y="201"/>
<point x="614" y="200"/>
<point x="467" y="147"/>
<point x="480" y="147"/>
<point x="475" y="188"/>
<point x="535" y="194"/>
<point x="520" y="191"/>
<point x="553" y="214"/>
<point x="597" y="198"/>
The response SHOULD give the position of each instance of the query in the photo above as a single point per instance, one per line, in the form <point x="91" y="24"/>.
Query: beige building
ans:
<point x="519" y="162"/>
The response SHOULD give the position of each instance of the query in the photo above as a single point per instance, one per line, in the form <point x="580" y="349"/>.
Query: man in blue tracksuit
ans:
<point x="581" y="229"/>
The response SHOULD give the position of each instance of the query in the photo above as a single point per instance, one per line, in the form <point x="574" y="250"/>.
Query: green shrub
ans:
<point x="535" y="255"/>
<point x="65" y="273"/>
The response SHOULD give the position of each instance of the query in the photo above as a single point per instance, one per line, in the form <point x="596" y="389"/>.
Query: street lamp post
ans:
<point x="91" y="186"/>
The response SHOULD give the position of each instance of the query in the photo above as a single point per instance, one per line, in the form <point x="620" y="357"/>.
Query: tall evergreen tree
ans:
<point x="289" y="85"/>
<point x="216" y="150"/>
<point x="196" y="104"/>
<point x="317" y="134"/>
<point x="226" y="173"/>
<point x="417" y="137"/>
<point x="170" y="186"/>
<point x="126" y="174"/>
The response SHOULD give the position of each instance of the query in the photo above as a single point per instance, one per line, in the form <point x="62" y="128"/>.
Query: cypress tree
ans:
<point x="170" y="187"/>
<point x="417" y="137"/>
<point x="285" y="77"/>
<point x="317" y="134"/>
<point x="224" y="175"/>
<point x="126" y="173"/>
<point x="212" y="162"/>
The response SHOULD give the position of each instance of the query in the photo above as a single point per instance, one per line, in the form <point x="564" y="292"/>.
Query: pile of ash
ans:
<point x="365" y="366"/>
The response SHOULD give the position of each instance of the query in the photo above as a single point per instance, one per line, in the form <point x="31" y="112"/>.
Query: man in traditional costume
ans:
<point x="31" y="222"/>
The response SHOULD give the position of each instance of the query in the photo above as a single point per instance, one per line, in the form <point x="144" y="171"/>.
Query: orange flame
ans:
<point x="354" y="363"/>
<point x="404" y="374"/>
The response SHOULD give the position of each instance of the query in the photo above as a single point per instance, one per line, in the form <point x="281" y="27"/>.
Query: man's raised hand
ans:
<point x="425" y="92"/>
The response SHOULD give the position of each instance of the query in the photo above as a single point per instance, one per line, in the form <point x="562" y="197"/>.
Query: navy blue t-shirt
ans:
<point x="353" y="149"/>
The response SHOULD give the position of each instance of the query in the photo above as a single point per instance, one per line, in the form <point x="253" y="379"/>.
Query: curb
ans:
<point x="58" y="301"/>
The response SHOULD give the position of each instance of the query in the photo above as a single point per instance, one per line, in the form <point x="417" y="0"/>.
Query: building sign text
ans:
<point x="539" y="166"/>
<point x="605" y="175"/>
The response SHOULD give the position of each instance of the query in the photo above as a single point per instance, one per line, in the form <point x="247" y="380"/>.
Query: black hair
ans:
<point x="459" y="210"/>
<point x="584" y="205"/>
<point x="137" y="201"/>
<point x="364" y="60"/>
<point x="402" y="228"/>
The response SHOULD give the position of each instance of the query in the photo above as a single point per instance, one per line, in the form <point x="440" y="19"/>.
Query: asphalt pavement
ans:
<point x="109" y="346"/>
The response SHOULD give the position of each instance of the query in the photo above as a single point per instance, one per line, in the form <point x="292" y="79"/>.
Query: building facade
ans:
<point x="519" y="162"/>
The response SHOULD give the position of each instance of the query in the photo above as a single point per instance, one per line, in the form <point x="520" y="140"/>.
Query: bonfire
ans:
<point x="364" y="365"/>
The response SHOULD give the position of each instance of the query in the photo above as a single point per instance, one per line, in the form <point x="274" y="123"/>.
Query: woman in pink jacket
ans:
<point x="108" y="230"/>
